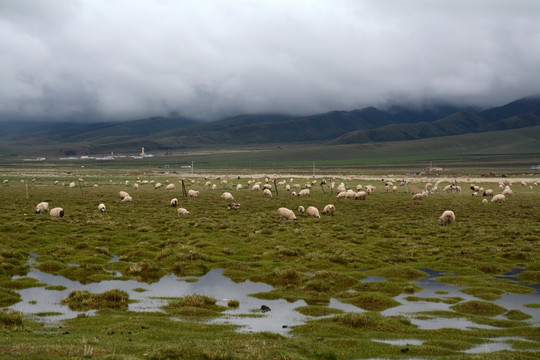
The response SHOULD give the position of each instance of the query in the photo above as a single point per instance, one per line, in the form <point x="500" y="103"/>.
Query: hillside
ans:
<point x="336" y="127"/>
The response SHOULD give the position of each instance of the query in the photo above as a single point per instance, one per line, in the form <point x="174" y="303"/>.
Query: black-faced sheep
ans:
<point x="101" y="207"/>
<point x="42" y="207"/>
<point x="233" y="206"/>
<point x="174" y="202"/>
<point x="56" y="213"/>
<point x="448" y="217"/>
<point x="301" y="209"/>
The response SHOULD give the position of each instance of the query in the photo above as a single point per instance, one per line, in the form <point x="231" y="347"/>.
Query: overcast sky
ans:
<point x="127" y="59"/>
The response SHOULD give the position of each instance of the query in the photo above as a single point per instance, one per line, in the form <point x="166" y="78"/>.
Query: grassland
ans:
<point x="388" y="235"/>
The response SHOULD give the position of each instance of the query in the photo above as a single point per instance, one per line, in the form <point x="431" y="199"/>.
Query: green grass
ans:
<point x="314" y="260"/>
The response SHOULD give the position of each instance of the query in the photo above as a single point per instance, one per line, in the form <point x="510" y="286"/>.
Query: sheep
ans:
<point x="193" y="193"/>
<point x="135" y="186"/>
<point x="329" y="209"/>
<point x="312" y="211"/>
<point x="284" y="213"/>
<point x="42" y="207"/>
<point x="341" y="188"/>
<point x="233" y="206"/>
<point x="170" y="187"/>
<point x="157" y="185"/>
<point x="294" y="193"/>
<point x="304" y="192"/>
<point x="208" y="183"/>
<point x="56" y="213"/>
<point x="101" y="207"/>
<point x="223" y="183"/>
<point x="72" y="184"/>
<point x="484" y="201"/>
<point x="447" y="217"/>
<point x="488" y="192"/>
<point x="239" y="187"/>
<point x="288" y="187"/>
<point x="507" y="191"/>
<point x="419" y="196"/>
<point x="181" y="212"/>
<point x="127" y="199"/>
<point x="267" y="186"/>
<point x="301" y="209"/>
<point x="214" y="186"/>
<point x="174" y="202"/>
<point x="474" y="194"/>
<point x="361" y="195"/>
<point x="267" y="192"/>
<point x="227" y="196"/>
<point x="256" y="187"/>
<point x="498" y="198"/>
<point x="6" y="181"/>
<point x="122" y="194"/>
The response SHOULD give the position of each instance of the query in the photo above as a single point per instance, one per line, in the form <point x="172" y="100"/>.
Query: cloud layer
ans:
<point x="125" y="59"/>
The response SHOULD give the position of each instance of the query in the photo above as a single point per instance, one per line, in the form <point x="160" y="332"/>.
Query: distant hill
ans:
<point x="336" y="127"/>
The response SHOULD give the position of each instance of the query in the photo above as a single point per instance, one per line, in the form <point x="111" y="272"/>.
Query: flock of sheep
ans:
<point x="358" y="193"/>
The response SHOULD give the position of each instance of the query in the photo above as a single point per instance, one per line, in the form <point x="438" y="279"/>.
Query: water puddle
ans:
<point x="400" y="342"/>
<point x="248" y="315"/>
<point x="496" y="344"/>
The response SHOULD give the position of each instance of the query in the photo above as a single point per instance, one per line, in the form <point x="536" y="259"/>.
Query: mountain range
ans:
<point x="337" y="127"/>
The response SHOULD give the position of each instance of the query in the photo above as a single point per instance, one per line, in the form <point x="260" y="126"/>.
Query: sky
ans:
<point x="93" y="60"/>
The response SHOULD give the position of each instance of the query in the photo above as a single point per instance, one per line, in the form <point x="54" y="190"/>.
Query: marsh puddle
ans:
<point x="282" y="316"/>
<point x="279" y="319"/>
<point x="432" y="288"/>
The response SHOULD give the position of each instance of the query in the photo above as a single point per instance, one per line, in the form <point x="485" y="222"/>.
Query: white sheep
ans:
<point x="484" y="201"/>
<point x="6" y="181"/>
<point x="256" y="187"/>
<point x="304" y="192"/>
<point x="170" y="187"/>
<point x="174" y="202"/>
<point x="507" y="191"/>
<point x="420" y="196"/>
<point x="72" y="184"/>
<point x="361" y="195"/>
<point x="56" y="213"/>
<point x="267" y="192"/>
<point x="193" y="193"/>
<point x="447" y="217"/>
<point x="239" y="187"/>
<point x="301" y="209"/>
<point x="288" y="187"/>
<point x="101" y="207"/>
<point x="181" y="212"/>
<point x="42" y="207"/>
<point x="214" y="186"/>
<point x="498" y="198"/>
<point x="488" y="192"/>
<point x="127" y="199"/>
<point x="329" y="209"/>
<point x="227" y="196"/>
<point x="208" y="183"/>
<point x="312" y="211"/>
<point x="284" y="213"/>
<point x="157" y="185"/>
<point x="136" y="186"/>
<point x="122" y="194"/>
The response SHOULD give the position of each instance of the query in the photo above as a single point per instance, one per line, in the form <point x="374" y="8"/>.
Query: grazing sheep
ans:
<point x="123" y="194"/>
<point x="267" y="192"/>
<point x="227" y="196"/>
<point x="101" y="207"/>
<point x="256" y="187"/>
<point x="136" y="186"/>
<point x="208" y="183"/>
<point x="474" y="194"/>
<point x="182" y="212"/>
<point x="419" y="196"/>
<point x="498" y="198"/>
<point x="294" y="193"/>
<point x="288" y="187"/>
<point x="170" y="187"/>
<point x="239" y="187"/>
<point x="233" y="206"/>
<point x="329" y="209"/>
<point x="284" y="213"/>
<point x="214" y="186"/>
<point x="361" y="195"/>
<point x="507" y="191"/>
<point x="6" y="181"/>
<point x="394" y="188"/>
<point x="127" y="199"/>
<point x="312" y="211"/>
<point x="42" y="207"/>
<point x="193" y="193"/>
<point x="72" y="184"/>
<point x="301" y="209"/>
<point x="447" y="217"/>
<point x="488" y="192"/>
<point x="304" y="192"/>
<point x="174" y="202"/>
<point x="157" y="185"/>
<point x="484" y="201"/>
<point x="341" y="188"/>
<point x="56" y="213"/>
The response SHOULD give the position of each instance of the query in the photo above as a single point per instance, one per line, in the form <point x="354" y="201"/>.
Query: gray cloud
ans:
<point x="124" y="59"/>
